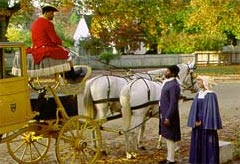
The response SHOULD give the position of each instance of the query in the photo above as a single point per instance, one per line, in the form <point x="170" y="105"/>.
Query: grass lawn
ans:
<point x="218" y="70"/>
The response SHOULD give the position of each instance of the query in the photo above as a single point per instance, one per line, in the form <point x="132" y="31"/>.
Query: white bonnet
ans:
<point x="208" y="82"/>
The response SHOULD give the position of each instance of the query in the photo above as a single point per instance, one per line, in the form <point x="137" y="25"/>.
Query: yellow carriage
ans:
<point x="27" y="131"/>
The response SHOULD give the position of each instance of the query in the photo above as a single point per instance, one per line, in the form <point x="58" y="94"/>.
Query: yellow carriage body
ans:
<point x="74" y="141"/>
<point x="15" y="107"/>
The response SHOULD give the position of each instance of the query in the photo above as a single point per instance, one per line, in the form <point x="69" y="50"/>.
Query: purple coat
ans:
<point x="169" y="109"/>
<point x="211" y="118"/>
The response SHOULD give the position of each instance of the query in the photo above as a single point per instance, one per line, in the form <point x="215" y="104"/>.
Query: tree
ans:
<point x="218" y="19"/>
<point x="131" y="22"/>
<point x="6" y="11"/>
<point x="22" y="12"/>
<point x="177" y="26"/>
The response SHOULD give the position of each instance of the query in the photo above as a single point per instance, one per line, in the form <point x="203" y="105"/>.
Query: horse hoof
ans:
<point x="131" y="155"/>
<point x="159" y="147"/>
<point x="177" y="149"/>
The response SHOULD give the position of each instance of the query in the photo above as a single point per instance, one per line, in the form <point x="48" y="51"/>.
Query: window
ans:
<point x="10" y="62"/>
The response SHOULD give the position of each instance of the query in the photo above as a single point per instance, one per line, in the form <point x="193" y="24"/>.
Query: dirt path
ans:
<point x="228" y="95"/>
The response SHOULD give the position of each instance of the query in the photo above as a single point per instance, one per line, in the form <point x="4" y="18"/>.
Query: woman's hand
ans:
<point x="166" y="122"/>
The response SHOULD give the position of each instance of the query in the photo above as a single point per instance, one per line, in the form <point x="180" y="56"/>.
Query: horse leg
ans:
<point x="140" y="137"/>
<point x="138" y="126"/>
<point x="177" y="147"/>
<point x="159" y="144"/>
<point x="131" y="142"/>
<point x="101" y="112"/>
<point x="131" y="150"/>
<point x="132" y="145"/>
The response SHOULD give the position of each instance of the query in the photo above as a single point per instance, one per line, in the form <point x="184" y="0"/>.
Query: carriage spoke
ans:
<point x="28" y="147"/>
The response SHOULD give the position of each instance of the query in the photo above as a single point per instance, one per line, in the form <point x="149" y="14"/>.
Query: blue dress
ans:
<point x="204" y="148"/>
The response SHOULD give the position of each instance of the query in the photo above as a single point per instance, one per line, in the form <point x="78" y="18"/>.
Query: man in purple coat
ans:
<point x="169" y="112"/>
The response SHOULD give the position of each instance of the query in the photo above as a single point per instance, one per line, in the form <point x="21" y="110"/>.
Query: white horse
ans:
<point x="102" y="92"/>
<point x="101" y="95"/>
<point x="139" y="100"/>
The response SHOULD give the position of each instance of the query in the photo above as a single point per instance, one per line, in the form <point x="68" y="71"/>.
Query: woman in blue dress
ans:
<point x="204" y="119"/>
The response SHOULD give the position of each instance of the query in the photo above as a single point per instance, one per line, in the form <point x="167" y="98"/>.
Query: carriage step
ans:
<point x="226" y="151"/>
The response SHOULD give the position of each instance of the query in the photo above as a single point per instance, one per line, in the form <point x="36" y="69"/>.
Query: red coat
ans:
<point x="46" y="42"/>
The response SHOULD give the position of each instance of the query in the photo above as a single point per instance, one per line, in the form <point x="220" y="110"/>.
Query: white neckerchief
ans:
<point x="167" y="80"/>
<point x="203" y="93"/>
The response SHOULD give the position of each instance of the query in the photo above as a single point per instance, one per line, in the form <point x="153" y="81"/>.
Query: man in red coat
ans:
<point x="47" y="45"/>
<point x="46" y="42"/>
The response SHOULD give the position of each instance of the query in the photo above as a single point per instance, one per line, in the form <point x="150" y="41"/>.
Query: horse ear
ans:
<point x="191" y="64"/>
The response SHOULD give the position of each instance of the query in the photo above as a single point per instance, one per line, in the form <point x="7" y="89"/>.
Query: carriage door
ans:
<point x="15" y="105"/>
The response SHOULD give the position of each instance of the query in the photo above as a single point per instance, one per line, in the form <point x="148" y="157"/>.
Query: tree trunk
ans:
<point x="6" y="13"/>
<point x="4" y="21"/>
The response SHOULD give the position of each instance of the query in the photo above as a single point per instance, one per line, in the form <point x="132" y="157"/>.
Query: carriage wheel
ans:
<point x="76" y="144"/>
<point x="28" y="147"/>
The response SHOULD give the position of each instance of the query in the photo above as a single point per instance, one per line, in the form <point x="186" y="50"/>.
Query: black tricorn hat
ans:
<point x="174" y="69"/>
<point x="48" y="7"/>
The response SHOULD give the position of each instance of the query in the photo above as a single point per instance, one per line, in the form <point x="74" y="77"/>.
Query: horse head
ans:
<point x="187" y="78"/>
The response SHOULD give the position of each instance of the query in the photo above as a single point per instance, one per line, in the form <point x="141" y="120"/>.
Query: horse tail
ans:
<point x="88" y="105"/>
<point x="126" y="106"/>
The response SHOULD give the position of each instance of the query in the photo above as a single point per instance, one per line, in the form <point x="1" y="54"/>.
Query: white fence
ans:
<point x="217" y="57"/>
<point x="136" y="61"/>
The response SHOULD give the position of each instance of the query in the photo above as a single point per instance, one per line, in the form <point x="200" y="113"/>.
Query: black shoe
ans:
<point x="79" y="72"/>
<point x="67" y="74"/>
<point x="166" y="162"/>
<point x="74" y="80"/>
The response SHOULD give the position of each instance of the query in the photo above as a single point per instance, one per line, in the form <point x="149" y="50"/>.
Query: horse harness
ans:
<point x="149" y="96"/>
<point x="107" y="99"/>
